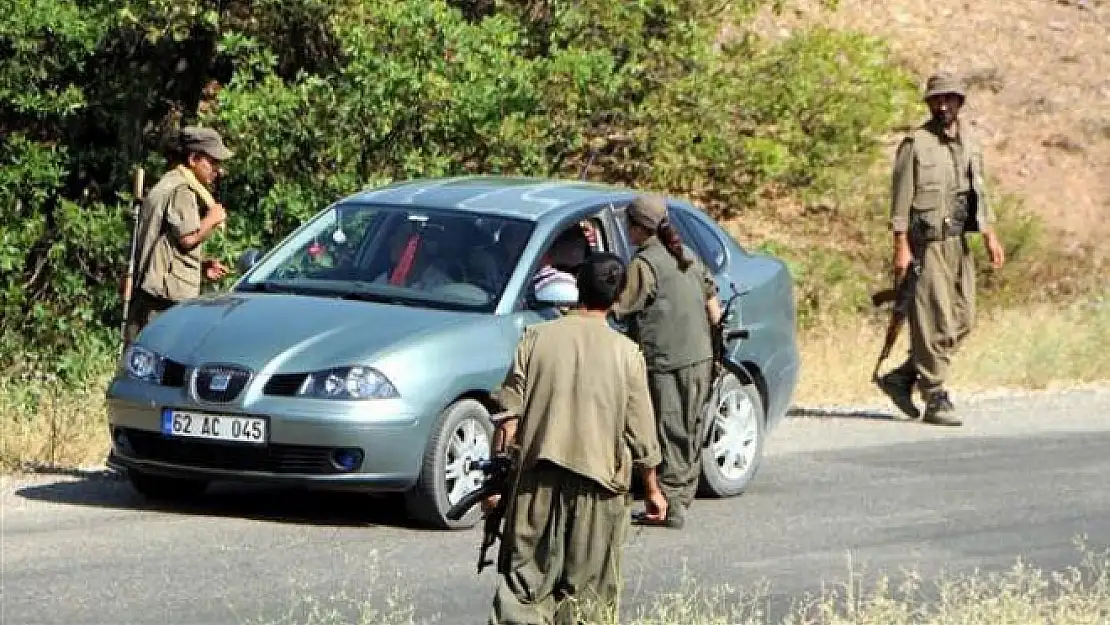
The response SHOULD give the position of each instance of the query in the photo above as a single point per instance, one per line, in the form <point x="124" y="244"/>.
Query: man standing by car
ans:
<point x="938" y="196"/>
<point x="170" y="230"/>
<point x="580" y="420"/>
<point x="671" y="299"/>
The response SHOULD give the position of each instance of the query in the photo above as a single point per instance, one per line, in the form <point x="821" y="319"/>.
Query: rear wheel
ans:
<point x="734" y="442"/>
<point x="163" y="488"/>
<point x="463" y="433"/>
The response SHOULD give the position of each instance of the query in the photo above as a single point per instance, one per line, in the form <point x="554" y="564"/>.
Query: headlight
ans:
<point x="141" y="363"/>
<point x="348" y="383"/>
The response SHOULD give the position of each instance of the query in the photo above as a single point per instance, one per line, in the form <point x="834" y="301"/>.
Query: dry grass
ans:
<point x="1034" y="348"/>
<point x="53" y="427"/>
<point x="1022" y="595"/>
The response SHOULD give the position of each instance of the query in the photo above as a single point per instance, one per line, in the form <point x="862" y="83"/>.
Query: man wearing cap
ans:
<point x="671" y="302"/>
<point x="938" y="197"/>
<point x="169" y="266"/>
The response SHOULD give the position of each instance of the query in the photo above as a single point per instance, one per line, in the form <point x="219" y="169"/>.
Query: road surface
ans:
<point x="849" y="492"/>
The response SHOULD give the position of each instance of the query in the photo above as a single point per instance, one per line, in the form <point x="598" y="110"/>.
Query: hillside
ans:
<point x="1040" y="90"/>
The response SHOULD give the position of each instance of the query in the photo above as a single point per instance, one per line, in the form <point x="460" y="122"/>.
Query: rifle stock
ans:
<point x="497" y="470"/>
<point x="128" y="281"/>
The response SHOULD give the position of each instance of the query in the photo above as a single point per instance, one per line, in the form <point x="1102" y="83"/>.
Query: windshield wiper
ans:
<point x="267" y="286"/>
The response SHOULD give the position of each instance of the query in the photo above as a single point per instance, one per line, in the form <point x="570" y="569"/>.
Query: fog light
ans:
<point x="346" y="459"/>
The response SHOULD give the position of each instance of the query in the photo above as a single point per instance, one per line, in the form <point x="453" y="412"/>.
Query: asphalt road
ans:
<point x="854" y="492"/>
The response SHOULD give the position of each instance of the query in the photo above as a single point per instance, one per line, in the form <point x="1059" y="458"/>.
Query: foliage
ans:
<point x="322" y="98"/>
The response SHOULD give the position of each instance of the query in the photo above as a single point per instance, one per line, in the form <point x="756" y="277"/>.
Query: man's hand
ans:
<point x="902" y="256"/>
<point x="655" y="505"/>
<point x="590" y="232"/>
<point x="995" y="250"/>
<point x="216" y="215"/>
<point x="489" y="503"/>
<point x="214" y="270"/>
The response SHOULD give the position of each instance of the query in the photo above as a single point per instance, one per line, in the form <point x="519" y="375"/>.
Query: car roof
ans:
<point x="520" y="197"/>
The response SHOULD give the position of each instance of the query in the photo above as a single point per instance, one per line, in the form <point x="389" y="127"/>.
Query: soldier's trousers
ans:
<point x="942" y="313"/>
<point x="679" y="398"/>
<point x="560" y="554"/>
<point x="141" y="310"/>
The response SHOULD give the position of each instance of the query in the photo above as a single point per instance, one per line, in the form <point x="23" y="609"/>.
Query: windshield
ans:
<point x="405" y="255"/>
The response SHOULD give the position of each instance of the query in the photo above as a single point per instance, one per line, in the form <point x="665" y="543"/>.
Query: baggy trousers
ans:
<point x="560" y="554"/>
<point x="942" y="313"/>
<point x="141" y="311"/>
<point x="679" y="398"/>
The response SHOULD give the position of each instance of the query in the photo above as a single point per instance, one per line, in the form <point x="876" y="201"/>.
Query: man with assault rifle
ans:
<point x="578" y="419"/>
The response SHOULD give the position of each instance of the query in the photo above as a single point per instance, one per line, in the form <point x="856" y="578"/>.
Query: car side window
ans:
<point x="707" y="244"/>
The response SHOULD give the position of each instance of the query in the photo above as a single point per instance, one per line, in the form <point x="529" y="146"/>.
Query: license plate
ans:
<point x="214" y="427"/>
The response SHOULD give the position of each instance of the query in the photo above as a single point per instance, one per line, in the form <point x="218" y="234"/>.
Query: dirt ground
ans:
<point x="1040" y="89"/>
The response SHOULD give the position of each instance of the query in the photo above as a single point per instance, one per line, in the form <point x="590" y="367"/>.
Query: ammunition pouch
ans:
<point x="934" y="225"/>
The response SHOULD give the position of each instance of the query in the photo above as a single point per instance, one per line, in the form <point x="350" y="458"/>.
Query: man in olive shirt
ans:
<point x="170" y="231"/>
<point x="580" y="420"/>
<point x="938" y="197"/>
<point x="671" y="301"/>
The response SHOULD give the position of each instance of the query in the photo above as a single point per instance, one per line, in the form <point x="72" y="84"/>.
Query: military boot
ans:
<point x="898" y="386"/>
<point x="940" y="411"/>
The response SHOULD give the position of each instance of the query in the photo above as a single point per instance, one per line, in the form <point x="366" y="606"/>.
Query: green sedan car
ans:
<point x="359" y="354"/>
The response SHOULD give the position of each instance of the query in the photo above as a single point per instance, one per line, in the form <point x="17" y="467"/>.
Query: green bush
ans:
<point x="322" y="98"/>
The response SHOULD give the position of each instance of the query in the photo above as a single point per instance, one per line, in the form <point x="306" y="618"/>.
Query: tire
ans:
<point x="739" y="404"/>
<point x="162" y="488"/>
<point x="463" y="432"/>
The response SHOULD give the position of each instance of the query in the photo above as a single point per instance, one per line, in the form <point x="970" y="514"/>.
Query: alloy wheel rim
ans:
<point x="735" y="434"/>
<point x="467" y="443"/>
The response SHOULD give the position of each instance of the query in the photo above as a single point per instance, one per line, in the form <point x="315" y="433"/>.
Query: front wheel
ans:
<point x="462" y="434"/>
<point x="733" y="446"/>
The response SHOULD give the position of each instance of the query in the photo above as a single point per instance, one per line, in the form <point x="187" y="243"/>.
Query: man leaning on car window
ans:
<point x="170" y="232"/>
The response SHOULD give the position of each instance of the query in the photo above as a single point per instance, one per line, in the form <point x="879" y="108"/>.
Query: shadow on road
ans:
<point x="258" y="503"/>
<point x="832" y="413"/>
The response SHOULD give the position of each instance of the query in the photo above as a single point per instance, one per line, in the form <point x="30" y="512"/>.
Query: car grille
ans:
<point x="273" y="458"/>
<point x="220" y="383"/>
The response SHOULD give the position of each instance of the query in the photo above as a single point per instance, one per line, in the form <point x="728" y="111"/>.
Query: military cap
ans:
<point x="944" y="83"/>
<point x="206" y="141"/>
<point x="648" y="211"/>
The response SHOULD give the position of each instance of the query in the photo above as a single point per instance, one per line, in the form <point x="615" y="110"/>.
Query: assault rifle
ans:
<point x="723" y="335"/>
<point x="497" y="471"/>
<point x="127" y="286"/>
<point x="900" y="295"/>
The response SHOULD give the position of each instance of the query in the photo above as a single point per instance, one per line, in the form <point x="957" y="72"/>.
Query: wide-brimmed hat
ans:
<point x="648" y="211"/>
<point x="206" y="141"/>
<point x="944" y="83"/>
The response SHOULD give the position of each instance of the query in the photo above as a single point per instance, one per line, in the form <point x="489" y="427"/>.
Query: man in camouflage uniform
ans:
<point x="938" y="196"/>
<point x="170" y="232"/>
<point x="580" y="419"/>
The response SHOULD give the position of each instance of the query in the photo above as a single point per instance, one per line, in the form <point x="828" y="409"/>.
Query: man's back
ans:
<point x="581" y="390"/>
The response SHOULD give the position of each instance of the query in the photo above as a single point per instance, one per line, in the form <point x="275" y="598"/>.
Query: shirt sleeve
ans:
<point x="902" y="187"/>
<point x="639" y="289"/>
<point x="984" y="214"/>
<point x="511" y="392"/>
<point x="183" y="214"/>
<point x="640" y="434"/>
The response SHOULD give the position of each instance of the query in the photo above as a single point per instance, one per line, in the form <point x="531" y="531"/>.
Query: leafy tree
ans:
<point x="320" y="98"/>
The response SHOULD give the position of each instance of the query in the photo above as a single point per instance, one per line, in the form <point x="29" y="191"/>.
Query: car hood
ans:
<point x="267" y="331"/>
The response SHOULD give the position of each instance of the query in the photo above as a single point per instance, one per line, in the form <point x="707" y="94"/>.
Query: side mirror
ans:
<point x="248" y="259"/>
<point x="556" y="295"/>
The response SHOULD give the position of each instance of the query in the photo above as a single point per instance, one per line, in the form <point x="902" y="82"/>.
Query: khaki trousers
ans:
<point x="942" y="313"/>
<point x="679" y="398"/>
<point x="561" y="550"/>
<point x="141" y="310"/>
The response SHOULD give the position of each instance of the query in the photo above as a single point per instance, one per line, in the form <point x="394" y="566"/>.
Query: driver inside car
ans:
<point x="410" y="248"/>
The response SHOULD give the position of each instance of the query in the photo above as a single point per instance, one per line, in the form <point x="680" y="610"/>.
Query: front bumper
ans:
<point x="305" y="440"/>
